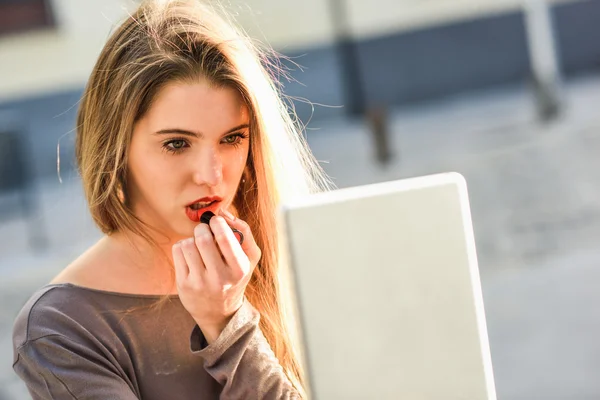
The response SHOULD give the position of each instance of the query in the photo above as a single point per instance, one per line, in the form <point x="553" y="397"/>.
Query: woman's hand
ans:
<point x="212" y="270"/>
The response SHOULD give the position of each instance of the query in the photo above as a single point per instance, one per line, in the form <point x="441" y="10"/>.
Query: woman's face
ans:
<point x="187" y="156"/>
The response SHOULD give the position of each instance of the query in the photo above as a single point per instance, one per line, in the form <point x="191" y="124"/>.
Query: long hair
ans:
<point x="180" y="41"/>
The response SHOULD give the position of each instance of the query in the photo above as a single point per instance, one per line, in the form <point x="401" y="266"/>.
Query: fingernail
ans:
<point x="227" y="214"/>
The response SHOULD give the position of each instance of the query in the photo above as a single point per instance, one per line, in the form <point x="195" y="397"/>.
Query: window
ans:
<point x="24" y="15"/>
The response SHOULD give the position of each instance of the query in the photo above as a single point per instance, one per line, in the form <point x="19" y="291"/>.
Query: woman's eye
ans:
<point x="175" y="146"/>
<point x="178" y="144"/>
<point x="234" y="139"/>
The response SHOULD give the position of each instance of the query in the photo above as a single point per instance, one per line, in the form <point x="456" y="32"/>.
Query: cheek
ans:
<point x="235" y="164"/>
<point x="151" y="174"/>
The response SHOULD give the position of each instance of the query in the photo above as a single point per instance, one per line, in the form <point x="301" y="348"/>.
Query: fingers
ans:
<point x="229" y="247"/>
<point x="215" y="247"/>
<point x="206" y="247"/>
<point x="249" y="245"/>
<point x="181" y="268"/>
<point x="192" y="257"/>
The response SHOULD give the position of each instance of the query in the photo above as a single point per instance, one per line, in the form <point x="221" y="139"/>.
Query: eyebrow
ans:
<point x="196" y="134"/>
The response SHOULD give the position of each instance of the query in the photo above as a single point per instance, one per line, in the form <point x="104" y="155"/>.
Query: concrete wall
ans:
<point x="407" y="51"/>
<point x="383" y="17"/>
<point x="60" y="59"/>
<point x="417" y="54"/>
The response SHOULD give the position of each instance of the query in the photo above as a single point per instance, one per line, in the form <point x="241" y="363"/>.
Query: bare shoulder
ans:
<point x="89" y="268"/>
<point x="109" y="266"/>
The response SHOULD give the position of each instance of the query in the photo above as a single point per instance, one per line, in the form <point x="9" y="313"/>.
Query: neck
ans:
<point x="152" y="264"/>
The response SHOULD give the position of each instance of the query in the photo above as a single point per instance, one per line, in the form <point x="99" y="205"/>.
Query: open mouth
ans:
<point x="201" y="205"/>
<point x="195" y="211"/>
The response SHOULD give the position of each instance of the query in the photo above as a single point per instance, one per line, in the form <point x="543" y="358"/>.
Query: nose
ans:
<point x="208" y="168"/>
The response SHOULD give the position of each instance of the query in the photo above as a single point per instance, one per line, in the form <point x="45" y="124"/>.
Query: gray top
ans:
<point x="72" y="342"/>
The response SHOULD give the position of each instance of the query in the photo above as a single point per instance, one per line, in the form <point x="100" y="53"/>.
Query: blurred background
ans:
<point x="506" y="92"/>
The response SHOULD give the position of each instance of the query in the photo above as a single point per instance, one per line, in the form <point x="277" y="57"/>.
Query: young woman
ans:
<point x="180" y="116"/>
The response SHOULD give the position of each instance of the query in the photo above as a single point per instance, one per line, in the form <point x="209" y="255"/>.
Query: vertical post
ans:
<point x="353" y="82"/>
<point x="16" y="176"/>
<point x="543" y="58"/>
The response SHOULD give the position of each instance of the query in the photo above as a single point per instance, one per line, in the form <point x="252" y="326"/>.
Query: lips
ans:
<point x="205" y="200"/>
<point x="195" y="214"/>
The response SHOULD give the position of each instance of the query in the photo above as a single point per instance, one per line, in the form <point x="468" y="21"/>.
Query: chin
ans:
<point x="187" y="229"/>
<point x="182" y="230"/>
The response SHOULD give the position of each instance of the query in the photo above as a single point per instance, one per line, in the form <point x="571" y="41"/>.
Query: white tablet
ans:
<point x="388" y="292"/>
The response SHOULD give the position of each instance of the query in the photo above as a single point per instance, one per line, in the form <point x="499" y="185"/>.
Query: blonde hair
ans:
<point x="167" y="41"/>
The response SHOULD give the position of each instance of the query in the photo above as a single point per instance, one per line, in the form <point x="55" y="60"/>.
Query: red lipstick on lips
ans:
<point x="212" y="203"/>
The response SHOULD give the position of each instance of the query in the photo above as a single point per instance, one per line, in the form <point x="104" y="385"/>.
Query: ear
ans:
<point x="120" y="188"/>
<point x="246" y="175"/>
<point x="244" y="186"/>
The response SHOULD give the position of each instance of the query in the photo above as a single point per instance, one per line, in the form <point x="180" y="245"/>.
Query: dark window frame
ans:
<point x="17" y="16"/>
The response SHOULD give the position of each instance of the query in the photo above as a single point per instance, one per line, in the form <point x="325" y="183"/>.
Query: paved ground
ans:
<point x="535" y="192"/>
